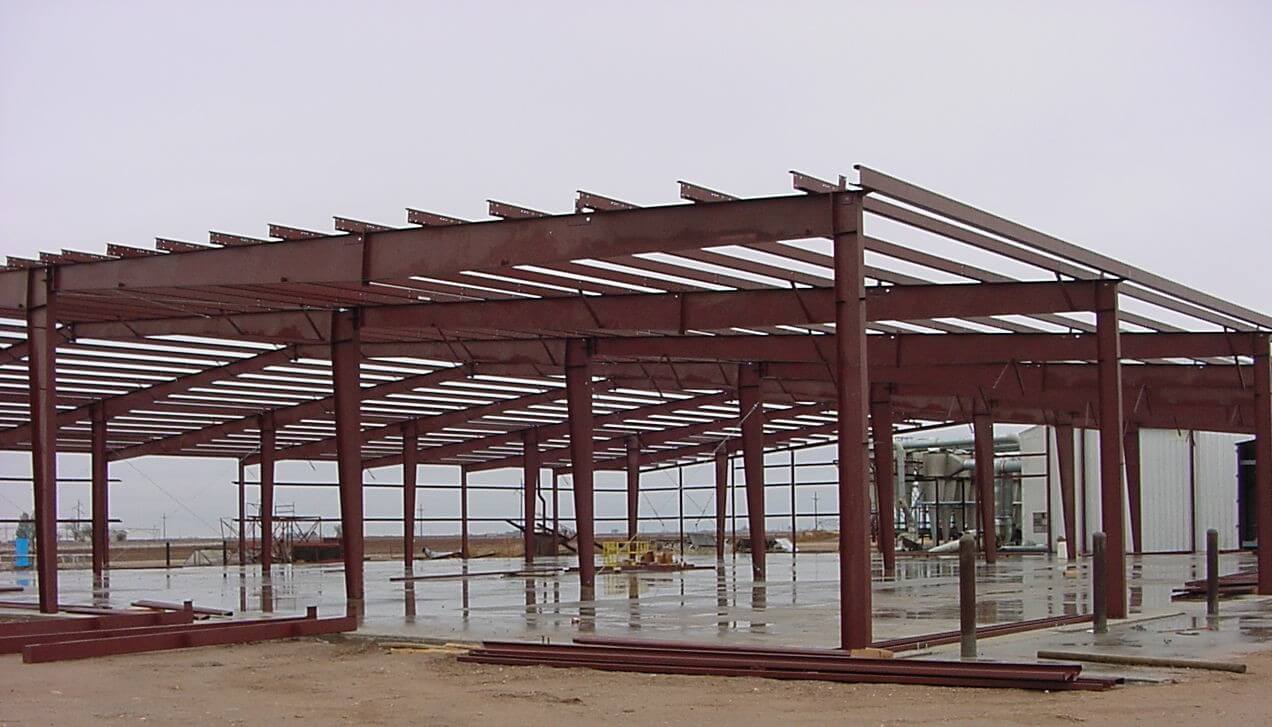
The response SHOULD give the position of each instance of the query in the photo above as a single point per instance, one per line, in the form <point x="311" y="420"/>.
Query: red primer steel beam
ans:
<point x="15" y="644"/>
<point x="578" y="377"/>
<point x="530" y="477"/>
<point x="410" y="473"/>
<point x="983" y="452"/>
<point x="885" y="475"/>
<point x="463" y="513"/>
<point x="1263" y="461"/>
<point x="633" y="486"/>
<point x="721" y="483"/>
<point x="242" y="516"/>
<point x="751" y="414"/>
<point x="269" y="449"/>
<point x="186" y="638"/>
<point x="853" y="399"/>
<point x="1131" y="447"/>
<point x="1112" y="500"/>
<point x="345" y="364"/>
<point x="123" y="619"/>
<point x="398" y="254"/>
<point x="41" y="324"/>
<point x="100" y="496"/>
<point x="1068" y="506"/>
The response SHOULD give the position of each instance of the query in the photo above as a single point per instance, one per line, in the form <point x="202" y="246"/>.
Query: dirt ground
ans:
<point x="343" y="683"/>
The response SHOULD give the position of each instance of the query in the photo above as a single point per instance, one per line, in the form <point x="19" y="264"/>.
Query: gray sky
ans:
<point x="1138" y="129"/>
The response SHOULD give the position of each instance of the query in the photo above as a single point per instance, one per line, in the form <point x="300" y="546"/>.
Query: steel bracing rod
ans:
<point x="286" y="415"/>
<point x="116" y="405"/>
<point x="41" y="318"/>
<point x="443" y="250"/>
<point x="685" y="407"/>
<point x="425" y="424"/>
<point x="668" y="312"/>
<point x="895" y="188"/>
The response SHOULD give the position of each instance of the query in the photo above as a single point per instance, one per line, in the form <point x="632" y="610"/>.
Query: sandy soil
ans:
<point x="318" y="683"/>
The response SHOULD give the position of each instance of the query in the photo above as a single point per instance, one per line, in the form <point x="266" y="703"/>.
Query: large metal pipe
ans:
<point x="41" y="326"/>
<point x="100" y="495"/>
<point x="1112" y="500"/>
<point x="578" y="389"/>
<point x="752" y="414"/>
<point x="345" y="364"/>
<point x="853" y="398"/>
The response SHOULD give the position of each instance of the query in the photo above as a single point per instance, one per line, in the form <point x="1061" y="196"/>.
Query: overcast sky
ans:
<point x="1138" y="129"/>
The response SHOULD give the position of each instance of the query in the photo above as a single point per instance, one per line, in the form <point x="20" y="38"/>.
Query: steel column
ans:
<point x="410" y="473"/>
<point x="100" y="495"/>
<point x="983" y="425"/>
<point x="578" y="380"/>
<point x="1112" y="500"/>
<point x="1263" y="460"/>
<point x="463" y="512"/>
<point x="1068" y="507"/>
<point x="633" y="486"/>
<point x="721" y="495"/>
<point x="268" y="451"/>
<point x="345" y="365"/>
<point x="1131" y="446"/>
<point x="853" y="399"/>
<point x="242" y="516"/>
<point x="885" y="474"/>
<point x="751" y="410"/>
<point x="41" y="325"/>
<point x="530" y="474"/>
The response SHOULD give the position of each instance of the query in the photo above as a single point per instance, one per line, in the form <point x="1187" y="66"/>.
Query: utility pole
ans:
<point x="164" y="520"/>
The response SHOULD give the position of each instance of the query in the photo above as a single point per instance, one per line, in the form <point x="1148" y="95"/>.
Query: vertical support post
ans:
<point x="100" y="496"/>
<point x="1131" y="445"/>
<point x="1263" y="459"/>
<point x="967" y="596"/>
<point x="578" y="389"/>
<point x="794" y="509"/>
<point x="853" y="399"/>
<point x="752" y="413"/>
<point x="41" y="325"/>
<point x="242" y="515"/>
<point x="530" y="474"/>
<point x="983" y="424"/>
<point x="463" y="512"/>
<point x="556" y="508"/>
<point x="721" y="494"/>
<point x="269" y="447"/>
<point x="346" y="356"/>
<point x="1099" y="582"/>
<point x="410" y="476"/>
<point x="1112" y="501"/>
<point x="885" y="474"/>
<point x="1064" y="465"/>
<point x="633" y="486"/>
<point x="680" y="496"/>
<point x="1212" y="572"/>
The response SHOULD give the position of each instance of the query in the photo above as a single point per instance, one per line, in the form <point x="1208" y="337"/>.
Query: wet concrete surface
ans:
<point x="796" y="605"/>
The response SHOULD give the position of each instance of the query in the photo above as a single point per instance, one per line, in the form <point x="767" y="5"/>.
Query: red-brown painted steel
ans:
<point x="410" y="474"/>
<point x="633" y="486"/>
<point x="853" y="399"/>
<point x="119" y="620"/>
<point x="751" y="413"/>
<point x="269" y="448"/>
<point x="242" y="516"/>
<point x="41" y="325"/>
<point x="578" y="379"/>
<point x="345" y="367"/>
<point x="1068" y="504"/>
<point x="463" y="513"/>
<point x="983" y="435"/>
<point x="100" y="492"/>
<point x="1112" y="491"/>
<point x="1263" y="460"/>
<point x="530" y="478"/>
<point x="1131" y="448"/>
<point x="721" y="483"/>
<point x="885" y="475"/>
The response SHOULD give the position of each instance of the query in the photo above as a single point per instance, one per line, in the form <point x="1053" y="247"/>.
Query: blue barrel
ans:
<point x="22" y="553"/>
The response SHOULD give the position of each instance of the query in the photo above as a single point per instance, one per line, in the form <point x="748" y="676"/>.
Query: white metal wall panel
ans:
<point x="1165" y="487"/>
<point x="1033" y="488"/>
<point x="1216" y="468"/>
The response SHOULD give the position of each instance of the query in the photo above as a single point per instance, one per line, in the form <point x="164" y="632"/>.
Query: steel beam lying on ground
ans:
<point x="130" y="619"/>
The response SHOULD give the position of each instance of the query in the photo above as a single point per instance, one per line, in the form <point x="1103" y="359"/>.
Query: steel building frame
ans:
<point x="618" y="337"/>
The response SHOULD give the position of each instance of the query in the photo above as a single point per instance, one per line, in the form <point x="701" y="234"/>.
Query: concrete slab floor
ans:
<point x="796" y="605"/>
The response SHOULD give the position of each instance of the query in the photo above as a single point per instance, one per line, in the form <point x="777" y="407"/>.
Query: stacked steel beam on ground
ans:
<point x="664" y="657"/>
<point x="1233" y="584"/>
